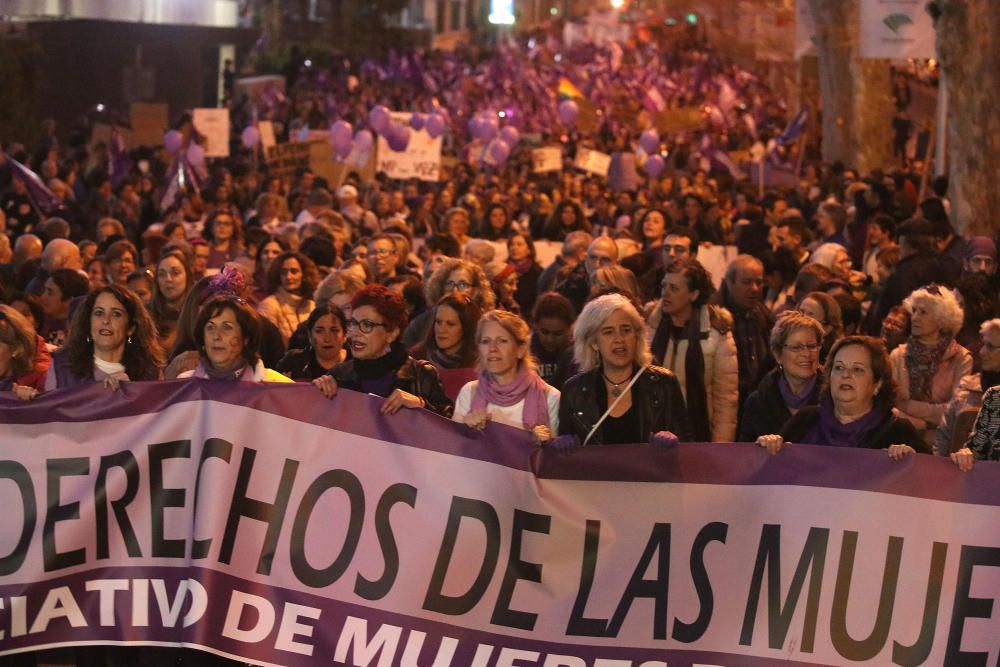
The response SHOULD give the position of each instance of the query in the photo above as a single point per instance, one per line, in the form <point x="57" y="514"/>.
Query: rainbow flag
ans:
<point x="567" y="90"/>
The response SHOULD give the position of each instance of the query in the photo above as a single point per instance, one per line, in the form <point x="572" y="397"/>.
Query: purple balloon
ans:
<point x="196" y="154"/>
<point x="435" y="125"/>
<point x="499" y="151"/>
<point x="441" y="111"/>
<point x="363" y="141"/>
<point x="417" y="121"/>
<point x="654" y="166"/>
<point x="510" y="135"/>
<point x="379" y="119"/>
<point x="568" y="110"/>
<point x="650" y="140"/>
<point x="250" y="136"/>
<point x="476" y="126"/>
<point x="490" y="128"/>
<point x="398" y="137"/>
<point x="341" y="134"/>
<point x="172" y="141"/>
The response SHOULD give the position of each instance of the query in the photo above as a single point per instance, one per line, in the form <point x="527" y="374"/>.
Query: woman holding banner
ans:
<point x="855" y="406"/>
<point x="380" y="364"/>
<point x="451" y="342"/>
<point x="619" y="397"/>
<point x="112" y="338"/>
<point x="509" y="390"/>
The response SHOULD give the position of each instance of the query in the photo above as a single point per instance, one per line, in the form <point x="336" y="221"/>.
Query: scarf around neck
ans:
<point x="830" y="431"/>
<point x="922" y="362"/>
<point x="526" y="386"/>
<point x="390" y="362"/>
<point x="243" y="372"/>
<point x="793" y="400"/>
<point x="694" y="369"/>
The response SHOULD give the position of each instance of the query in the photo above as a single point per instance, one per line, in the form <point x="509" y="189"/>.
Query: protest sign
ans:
<point x="149" y="123"/>
<point x="683" y="119"/>
<point x="271" y="525"/>
<point x="420" y="160"/>
<point x="267" y="139"/>
<point x="214" y="125"/>
<point x="896" y="29"/>
<point x="284" y="159"/>
<point x="546" y="159"/>
<point x="594" y="162"/>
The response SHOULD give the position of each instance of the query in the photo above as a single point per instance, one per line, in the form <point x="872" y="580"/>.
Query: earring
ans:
<point x="89" y="339"/>
<point x="129" y="340"/>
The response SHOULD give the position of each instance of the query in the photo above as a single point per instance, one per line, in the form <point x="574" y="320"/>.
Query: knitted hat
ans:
<point x="981" y="245"/>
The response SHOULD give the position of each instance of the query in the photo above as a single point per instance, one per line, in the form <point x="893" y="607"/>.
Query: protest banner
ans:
<point x="284" y="159"/>
<point x="594" y="162"/>
<point x="149" y="122"/>
<point x="421" y="159"/>
<point x="896" y="29"/>
<point x="267" y="139"/>
<point x="271" y="525"/>
<point x="214" y="125"/>
<point x="546" y="159"/>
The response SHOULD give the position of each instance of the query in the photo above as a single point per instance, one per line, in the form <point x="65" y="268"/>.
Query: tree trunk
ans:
<point x="967" y="31"/>
<point x="855" y="93"/>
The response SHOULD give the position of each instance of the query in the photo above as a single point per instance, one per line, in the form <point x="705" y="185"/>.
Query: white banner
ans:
<point x="421" y="159"/>
<point x="546" y="159"/>
<point x="214" y="124"/>
<point x="896" y="29"/>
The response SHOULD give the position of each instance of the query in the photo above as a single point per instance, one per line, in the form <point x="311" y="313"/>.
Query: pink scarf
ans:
<point x="526" y="385"/>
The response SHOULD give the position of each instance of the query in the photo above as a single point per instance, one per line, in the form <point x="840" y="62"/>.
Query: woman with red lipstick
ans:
<point x="379" y="363"/>
<point x="855" y="407"/>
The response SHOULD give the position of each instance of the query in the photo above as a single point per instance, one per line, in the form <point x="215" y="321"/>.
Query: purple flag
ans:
<point x="41" y="197"/>
<point x="119" y="163"/>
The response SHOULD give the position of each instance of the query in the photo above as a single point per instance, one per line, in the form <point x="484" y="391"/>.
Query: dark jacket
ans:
<point x="660" y="405"/>
<point x="892" y="431"/>
<point x="765" y="411"/>
<point x="419" y="378"/>
<point x="910" y="273"/>
<point x="300" y="365"/>
<point x="527" y="289"/>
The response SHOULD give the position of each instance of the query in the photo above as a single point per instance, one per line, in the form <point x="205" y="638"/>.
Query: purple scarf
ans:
<point x="829" y="431"/>
<point x="922" y="363"/>
<point x="526" y="385"/>
<point x="792" y="400"/>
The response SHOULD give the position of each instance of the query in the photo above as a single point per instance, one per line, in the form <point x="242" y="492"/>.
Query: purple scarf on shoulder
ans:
<point x="526" y="385"/>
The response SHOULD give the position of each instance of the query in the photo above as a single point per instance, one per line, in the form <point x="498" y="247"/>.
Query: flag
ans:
<point x="183" y="178"/>
<point x="41" y="197"/>
<point x="653" y="100"/>
<point x="794" y="129"/>
<point x="119" y="162"/>
<point x="567" y="90"/>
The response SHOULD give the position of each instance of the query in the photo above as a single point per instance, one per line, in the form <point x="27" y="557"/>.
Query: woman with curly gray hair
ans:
<point x="930" y="365"/>
<point x="619" y="397"/>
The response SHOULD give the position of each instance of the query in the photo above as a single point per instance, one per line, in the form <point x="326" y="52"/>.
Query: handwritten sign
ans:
<point x="214" y="125"/>
<point x="284" y="159"/>
<point x="594" y="162"/>
<point x="546" y="159"/>
<point x="420" y="160"/>
<point x="267" y="140"/>
<point x="149" y="122"/>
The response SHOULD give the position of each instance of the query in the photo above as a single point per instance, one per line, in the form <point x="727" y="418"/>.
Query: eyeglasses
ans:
<point x="799" y="348"/>
<point x="460" y="285"/>
<point x="987" y="345"/>
<point x="381" y="252"/>
<point x="366" y="326"/>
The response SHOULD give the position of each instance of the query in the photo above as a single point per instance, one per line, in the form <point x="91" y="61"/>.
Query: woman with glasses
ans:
<point x="824" y="309"/>
<point x="855" y="406"/>
<point x="292" y="279"/>
<point x="795" y="343"/>
<point x="379" y="363"/>
<point x="452" y="276"/>
<point x="930" y="365"/>
<point x="224" y="234"/>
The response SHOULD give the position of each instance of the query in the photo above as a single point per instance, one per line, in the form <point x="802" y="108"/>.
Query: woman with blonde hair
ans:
<point x="929" y="366"/>
<point x="617" y="278"/>
<point x="619" y="396"/>
<point x="509" y="390"/>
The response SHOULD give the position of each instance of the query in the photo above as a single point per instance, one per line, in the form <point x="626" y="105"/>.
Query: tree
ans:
<point x="966" y="33"/>
<point x="856" y="94"/>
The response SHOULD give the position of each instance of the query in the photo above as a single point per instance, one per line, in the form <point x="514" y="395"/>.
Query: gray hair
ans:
<point x="739" y="263"/>
<point x="989" y="325"/>
<point x="943" y="306"/>
<point x="594" y="314"/>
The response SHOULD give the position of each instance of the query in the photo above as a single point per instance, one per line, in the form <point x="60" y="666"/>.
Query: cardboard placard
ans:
<point x="213" y="124"/>
<point x="149" y="123"/>
<point x="594" y="162"/>
<point x="684" y="119"/>
<point x="267" y="140"/>
<point x="284" y="159"/>
<point x="546" y="159"/>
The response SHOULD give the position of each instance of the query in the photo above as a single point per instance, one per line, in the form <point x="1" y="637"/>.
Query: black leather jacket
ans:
<point x="656" y="394"/>
<point x="419" y="378"/>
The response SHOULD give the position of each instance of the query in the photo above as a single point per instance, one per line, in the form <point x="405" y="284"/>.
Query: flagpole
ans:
<point x="760" y="180"/>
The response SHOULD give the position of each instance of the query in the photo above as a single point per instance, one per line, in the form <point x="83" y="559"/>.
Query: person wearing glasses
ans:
<point x="453" y="276"/>
<point x="824" y="309"/>
<point x="380" y="364"/>
<point x="603" y="251"/>
<point x="795" y="343"/>
<point x="855" y="406"/>
<point x="228" y="334"/>
<point x="382" y="257"/>
<point x="930" y="365"/>
<point x="224" y="234"/>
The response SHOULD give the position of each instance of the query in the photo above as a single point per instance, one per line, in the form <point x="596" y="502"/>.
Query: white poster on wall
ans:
<point x="420" y="160"/>
<point x="896" y="29"/>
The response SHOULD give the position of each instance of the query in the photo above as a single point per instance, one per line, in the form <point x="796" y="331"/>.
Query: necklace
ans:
<point x="616" y="389"/>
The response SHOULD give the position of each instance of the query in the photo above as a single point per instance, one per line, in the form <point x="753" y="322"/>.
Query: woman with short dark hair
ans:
<point x="327" y="332"/>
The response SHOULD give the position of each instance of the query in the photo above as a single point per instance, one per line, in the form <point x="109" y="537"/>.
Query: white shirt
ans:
<point x="510" y="415"/>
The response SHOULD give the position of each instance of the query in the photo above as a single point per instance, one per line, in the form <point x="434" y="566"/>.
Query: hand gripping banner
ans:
<point x="271" y="525"/>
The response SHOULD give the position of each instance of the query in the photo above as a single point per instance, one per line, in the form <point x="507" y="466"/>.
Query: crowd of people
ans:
<point x="852" y="314"/>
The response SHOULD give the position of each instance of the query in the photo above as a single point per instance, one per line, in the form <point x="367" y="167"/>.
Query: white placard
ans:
<point x="592" y="161"/>
<point x="266" y="134"/>
<point x="546" y="159"/>
<point x="421" y="159"/>
<point x="214" y="125"/>
<point x="896" y="29"/>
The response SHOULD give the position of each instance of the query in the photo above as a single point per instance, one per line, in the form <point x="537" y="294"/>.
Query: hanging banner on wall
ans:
<point x="896" y="29"/>
<point x="268" y="524"/>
